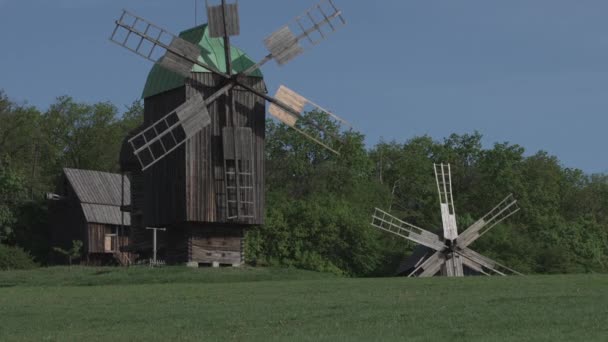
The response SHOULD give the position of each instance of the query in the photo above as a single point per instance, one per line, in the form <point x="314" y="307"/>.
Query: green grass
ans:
<point x="140" y="275"/>
<point x="270" y="304"/>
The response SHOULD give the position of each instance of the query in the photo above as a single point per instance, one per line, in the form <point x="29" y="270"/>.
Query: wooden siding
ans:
<point x="188" y="185"/>
<point x="96" y="237"/>
<point x="223" y="245"/>
<point x="205" y="244"/>
<point x="164" y="184"/>
<point x="140" y="238"/>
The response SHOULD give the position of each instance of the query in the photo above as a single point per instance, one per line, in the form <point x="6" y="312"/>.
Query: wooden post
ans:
<point x="154" y="230"/>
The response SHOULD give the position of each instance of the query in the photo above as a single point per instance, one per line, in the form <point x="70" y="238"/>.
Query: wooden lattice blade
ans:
<point x="453" y="266"/>
<point x="501" y="212"/>
<point x="181" y="63"/>
<point x="443" y="177"/>
<point x="223" y="20"/>
<point x="170" y="132"/>
<point x="474" y="266"/>
<point x="486" y="263"/>
<point x="429" y="267"/>
<point x="306" y="30"/>
<point x="289" y="107"/>
<point x="158" y="45"/>
<point x="389" y="223"/>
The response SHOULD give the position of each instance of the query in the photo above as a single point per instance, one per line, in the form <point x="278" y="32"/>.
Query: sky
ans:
<point x="530" y="72"/>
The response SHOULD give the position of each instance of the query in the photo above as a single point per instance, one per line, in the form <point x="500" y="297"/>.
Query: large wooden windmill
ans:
<point x="449" y="254"/>
<point x="197" y="163"/>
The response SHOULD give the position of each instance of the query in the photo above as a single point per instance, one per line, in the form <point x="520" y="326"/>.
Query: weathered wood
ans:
<point x="188" y="185"/>
<point x="81" y="213"/>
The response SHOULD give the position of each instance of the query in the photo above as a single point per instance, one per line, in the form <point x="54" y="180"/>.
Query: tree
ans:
<point x="12" y="193"/>
<point x="72" y="253"/>
<point x="317" y="203"/>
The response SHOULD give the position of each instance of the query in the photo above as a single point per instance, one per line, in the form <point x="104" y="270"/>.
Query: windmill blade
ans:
<point x="453" y="266"/>
<point x="501" y="212"/>
<point x="158" y="45"/>
<point x="170" y="132"/>
<point x="305" y="31"/>
<point x="486" y="263"/>
<point x="389" y="223"/>
<point x="312" y="27"/>
<point x="443" y="176"/>
<point x="288" y="107"/>
<point x="429" y="267"/>
<point x="223" y="20"/>
<point x="474" y="266"/>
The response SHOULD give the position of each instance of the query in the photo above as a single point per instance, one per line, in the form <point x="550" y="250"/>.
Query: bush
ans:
<point x="15" y="258"/>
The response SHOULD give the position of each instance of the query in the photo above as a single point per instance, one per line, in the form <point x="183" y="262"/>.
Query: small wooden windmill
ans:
<point x="448" y="254"/>
<point x="197" y="163"/>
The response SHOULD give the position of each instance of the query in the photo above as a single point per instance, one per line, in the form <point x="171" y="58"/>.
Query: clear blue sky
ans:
<point x="532" y="72"/>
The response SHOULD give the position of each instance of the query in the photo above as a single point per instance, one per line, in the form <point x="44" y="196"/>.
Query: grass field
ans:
<point x="59" y="304"/>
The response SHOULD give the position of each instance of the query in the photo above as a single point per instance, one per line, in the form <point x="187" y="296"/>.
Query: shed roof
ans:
<point x="100" y="195"/>
<point x="212" y="53"/>
<point x="105" y="214"/>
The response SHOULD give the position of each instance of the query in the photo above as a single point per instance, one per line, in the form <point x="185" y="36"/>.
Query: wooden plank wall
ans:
<point x="221" y="244"/>
<point x="164" y="184"/>
<point x="188" y="185"/>
<point x="140" y="237"/>
<point x="205" y="188"/>
<point x="96" y="237"/>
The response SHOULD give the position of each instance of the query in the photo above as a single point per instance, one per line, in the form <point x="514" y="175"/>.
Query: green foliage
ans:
<point x="36" y="145"/>
<point x="12" y="192"/>
<point x="15" y="258"/>
<point x="72" y="253"/>
<point x="318" y="203"/>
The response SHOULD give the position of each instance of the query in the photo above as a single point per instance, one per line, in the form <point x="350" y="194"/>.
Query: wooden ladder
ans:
<point x="239" y="173"/>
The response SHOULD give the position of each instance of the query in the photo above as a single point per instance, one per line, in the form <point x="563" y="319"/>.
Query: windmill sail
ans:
<point x="387" y="222"/>
<point x="501" y="212"/>
<point x="306" y="30"/>
<point x="453" y="266"/>
<point x="486" y="262"/>
<point x="429" y="267"/>
<point x="289" y="107"/>
<point x="170" y="132"/>
<point x="157" y="45"/>
<point x="443" y="176"/>
<point x="223" y="20"/>
<point x="312" y="27"/>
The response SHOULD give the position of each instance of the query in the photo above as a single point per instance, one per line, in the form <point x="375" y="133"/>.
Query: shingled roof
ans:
<point x="100" y="195"/>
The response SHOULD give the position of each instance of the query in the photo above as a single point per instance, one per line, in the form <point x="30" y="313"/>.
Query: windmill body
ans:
<point x="197" y="163"/>
<point x="449" y="254"/>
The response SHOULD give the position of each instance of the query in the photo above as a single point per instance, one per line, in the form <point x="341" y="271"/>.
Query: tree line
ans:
<point x="319" y="205"/>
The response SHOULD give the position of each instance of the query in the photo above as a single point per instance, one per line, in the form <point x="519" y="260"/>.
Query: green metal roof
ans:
<point x="212" y="53"/>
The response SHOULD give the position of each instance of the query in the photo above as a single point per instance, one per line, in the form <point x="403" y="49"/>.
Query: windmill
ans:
<point x="199" y="155"/>
<point x="448" y="254"/>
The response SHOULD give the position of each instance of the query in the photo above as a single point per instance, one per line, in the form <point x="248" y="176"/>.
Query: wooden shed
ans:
<point x="87" y="206"/>
<point x="188" y="192"/>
